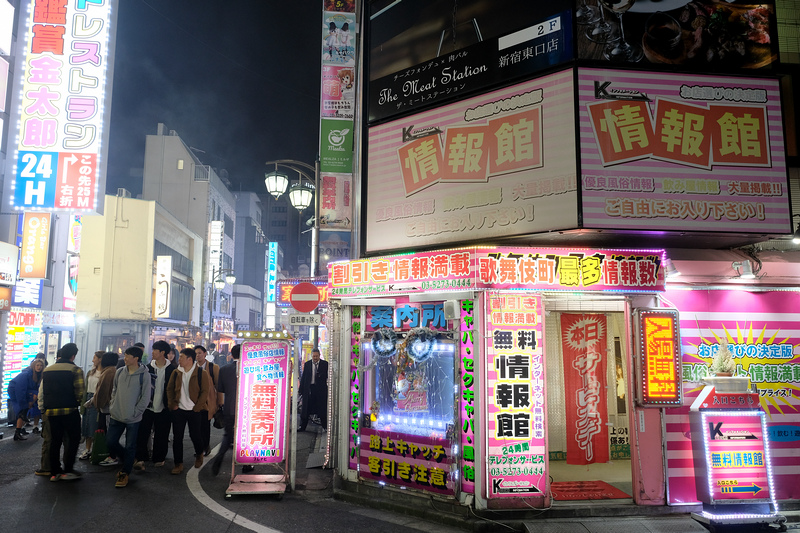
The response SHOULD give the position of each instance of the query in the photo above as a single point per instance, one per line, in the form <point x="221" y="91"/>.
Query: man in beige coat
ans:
<point x="187" y="395"/>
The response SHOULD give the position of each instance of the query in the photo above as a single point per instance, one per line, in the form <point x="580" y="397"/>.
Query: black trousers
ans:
<point x="160" y="424"/>
<point x="180" y="419"/>
<point x="205" y="428"/>
<point x="61" y="427"/>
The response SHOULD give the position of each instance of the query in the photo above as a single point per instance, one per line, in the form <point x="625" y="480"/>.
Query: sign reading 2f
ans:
<point x="36" y="179"/>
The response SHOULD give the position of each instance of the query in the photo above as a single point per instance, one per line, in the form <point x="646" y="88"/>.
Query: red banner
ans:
<point x="583" y="343"/>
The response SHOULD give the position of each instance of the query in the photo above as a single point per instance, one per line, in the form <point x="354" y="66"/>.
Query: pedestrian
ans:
<point x="212" y="354"/>
<point x="187" y="395"/>
<point x="60" y="394"/>
<point x="156" y="417"/>
<point x="226" y="398"/>
<point x="172" y="355"/>
<point x="34" y="413"/>
<point x="207" y="414"/>
<point x="23" y="390"/>
<point x="102" y="399"/>
<point x="314" y="389"/>
<point x="129" y="398"/>
<point x="89" y="421"/>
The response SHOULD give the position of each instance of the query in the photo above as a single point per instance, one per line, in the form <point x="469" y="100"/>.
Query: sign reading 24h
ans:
<point x="61" y="180"/>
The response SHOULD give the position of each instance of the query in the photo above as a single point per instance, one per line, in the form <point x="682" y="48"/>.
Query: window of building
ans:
<point x="228" y="226"/>
<point x="278" y="223"/>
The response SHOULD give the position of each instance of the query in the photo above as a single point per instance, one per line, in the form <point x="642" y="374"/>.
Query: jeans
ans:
<point x="127" y="454"/>
<point x="180" y="419"/>
<point x="64" y="429"/>
<point x="161" y="424"/>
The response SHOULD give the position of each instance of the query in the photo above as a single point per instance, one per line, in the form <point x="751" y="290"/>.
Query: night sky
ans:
<point x="237" y="80"/>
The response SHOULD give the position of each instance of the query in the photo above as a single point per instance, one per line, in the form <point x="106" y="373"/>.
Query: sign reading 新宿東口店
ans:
<point x="262" y="404"/>
<point x="61" y="91"/>
<point x="515" y="412"/>
<point x="659" y="358"/>
<point x="499" y="268"/>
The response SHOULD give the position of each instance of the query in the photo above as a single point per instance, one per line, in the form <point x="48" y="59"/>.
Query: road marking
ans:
<point x="193" y="481"/>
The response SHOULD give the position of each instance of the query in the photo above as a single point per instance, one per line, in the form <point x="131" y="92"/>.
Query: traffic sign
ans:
<point x="305" y="320"/>
<point x="304" y="297"/>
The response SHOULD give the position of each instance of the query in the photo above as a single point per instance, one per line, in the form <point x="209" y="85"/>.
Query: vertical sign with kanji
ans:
<point x="355" y="397"/>
<point x="515" y="397"/>
<point x="261" y="409"/>
<point x="469" y="400"/>
<point x="659" y="360"/>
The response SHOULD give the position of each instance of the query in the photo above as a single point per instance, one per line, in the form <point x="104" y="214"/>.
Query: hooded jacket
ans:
<point x="130" y="395"/>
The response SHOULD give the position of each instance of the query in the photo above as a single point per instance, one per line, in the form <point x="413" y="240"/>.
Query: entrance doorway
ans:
<point x="588" y="422"/>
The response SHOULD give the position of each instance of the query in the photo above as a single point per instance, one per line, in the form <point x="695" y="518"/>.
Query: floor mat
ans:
<point x="585" y="490"/>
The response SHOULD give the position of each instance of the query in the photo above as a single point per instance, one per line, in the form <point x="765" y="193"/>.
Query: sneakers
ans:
<point x="207" y="451"/>
<point x="85" y="456"/>
<point x="160" y="463"/>
<point x="70" y="476"/>
<point x="41" y="472"/>
<point x="19" y="435"/>
<point x="178" y="469"/>
<point x="138" y="465"/>
<point x="36" y="430"/>
<point x="198" y="460"/>
<point x="109" y="461"/>
<point x="55" y="478"/>
<point x="122" y="480"/>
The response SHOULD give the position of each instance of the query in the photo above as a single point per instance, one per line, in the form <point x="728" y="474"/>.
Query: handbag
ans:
<point x="99" y="447"/>
<point x="219" y="419"/>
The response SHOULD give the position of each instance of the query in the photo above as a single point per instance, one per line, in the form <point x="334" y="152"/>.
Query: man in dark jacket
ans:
<point x="60" y="395"/>
<point x="314" y="388"/>
<point x="226" y="398"/>
<point x="156" y="417"/>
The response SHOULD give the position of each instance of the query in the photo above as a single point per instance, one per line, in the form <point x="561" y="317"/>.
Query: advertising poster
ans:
<point x="64" y="106"/>
<point x="762" y="331"/>
<point x="678" y="152"/>
<point x="333" y="246"/>
<point x="583" y="344"/>
<point x="338" y="38"/>
<point x="163" y="291"/>
<point x="701" y="35"/>
<point x="71" y="282"/>
<point x="515" y="396"/>
<point x="338" y="92"/>
<point x="9" y="258"/>
<point x="412" y="461"/>
<point x="336" y="146"/>
<point x="480" y="168"/>
<point x="28" y="293"/>
<point x="21" y="346"/>
<point x="35" y="250"/>
<point x="336" y="201"/>
<point x="261" y="409"/>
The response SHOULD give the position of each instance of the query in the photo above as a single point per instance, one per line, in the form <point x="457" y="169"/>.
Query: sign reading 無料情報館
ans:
<point x="515" y="396"/>
<point x="664" y="151"/>
<point x="761" y="330"/>
<point x="262" y="404"/>
<point x="500" y="268"/>
<point x="62" y="93"/>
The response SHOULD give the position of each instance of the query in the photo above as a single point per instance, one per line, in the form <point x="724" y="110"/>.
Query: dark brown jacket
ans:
<point x="198" y="389"/>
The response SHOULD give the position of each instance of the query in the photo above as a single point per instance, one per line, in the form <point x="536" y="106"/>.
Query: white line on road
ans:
<point x="193" y="481"/>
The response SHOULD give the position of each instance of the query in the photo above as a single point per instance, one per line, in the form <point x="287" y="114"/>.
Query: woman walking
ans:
<point x="89" y="422"/>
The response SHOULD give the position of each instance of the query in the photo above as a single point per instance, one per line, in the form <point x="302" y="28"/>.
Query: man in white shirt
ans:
<point x="156" y="417"/>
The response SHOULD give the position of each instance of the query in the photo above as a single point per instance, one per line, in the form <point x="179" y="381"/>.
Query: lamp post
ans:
<point x="219" y="278"/>
<point x="300" y="196"/>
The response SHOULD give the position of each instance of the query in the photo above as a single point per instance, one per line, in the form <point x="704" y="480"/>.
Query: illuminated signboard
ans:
<point x="469" y="405"/>
<point x="61" y="92"/>
<point x="22" y="345"/>
<point x="163" y="286"/>
<point x="285" y="290"/>
<point x="263" y="402"/>
<point x="659" y="358"/>
<point x="9" y="256"/>
<point x="35" y="245"/>
<point x="731" y="455"/>
<point x="272" y="271"/>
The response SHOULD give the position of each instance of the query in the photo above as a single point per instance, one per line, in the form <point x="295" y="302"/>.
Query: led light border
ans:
<point x="676" y="356"/>
<point x="280" y="304"/>
<point x="256" y="335"/>
<point x="767" y="457"/>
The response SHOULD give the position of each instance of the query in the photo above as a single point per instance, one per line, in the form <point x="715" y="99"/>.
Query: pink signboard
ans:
<point x="662" y="151"/>
<point x="762" y="331"/>
<point x="732" y="460"/>
<point x="515" y="396"/>
<point x="500" y="268"/>
<point x="478" y="168"/>
<point x="262" y="406"/>
<point x="411" y="461"/>
<point x="355" y="393"/>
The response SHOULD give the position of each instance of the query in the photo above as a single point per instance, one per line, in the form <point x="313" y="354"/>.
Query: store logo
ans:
<point x="604" y="91"/>
<point x="336" y="139"/>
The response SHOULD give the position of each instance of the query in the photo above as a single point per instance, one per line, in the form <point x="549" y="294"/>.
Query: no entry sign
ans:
<point x="304" y="297"/>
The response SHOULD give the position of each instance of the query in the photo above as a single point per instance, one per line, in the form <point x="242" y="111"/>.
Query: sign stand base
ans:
<point x="712" y="522"/>
<point x="257" y="484"/>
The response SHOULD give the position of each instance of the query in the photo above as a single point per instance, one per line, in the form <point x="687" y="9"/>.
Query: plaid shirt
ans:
<point x="78" y="385"/>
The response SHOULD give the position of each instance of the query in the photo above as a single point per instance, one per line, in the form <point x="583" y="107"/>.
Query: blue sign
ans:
<point x="272" y="271"/>
<point x="37" y="174"/>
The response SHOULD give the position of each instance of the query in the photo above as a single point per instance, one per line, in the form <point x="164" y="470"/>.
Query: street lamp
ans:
<point x="219" y="278"/>
<point x="276" y="182"/>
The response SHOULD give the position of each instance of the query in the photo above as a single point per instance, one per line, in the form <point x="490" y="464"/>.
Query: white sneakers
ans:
<point x="109" y="461"/>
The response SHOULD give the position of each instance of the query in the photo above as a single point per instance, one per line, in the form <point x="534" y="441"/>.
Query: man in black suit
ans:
<point x="314" y="389"/>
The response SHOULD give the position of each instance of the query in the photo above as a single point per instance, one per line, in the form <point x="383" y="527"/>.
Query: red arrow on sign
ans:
<point x="304" y="297"/>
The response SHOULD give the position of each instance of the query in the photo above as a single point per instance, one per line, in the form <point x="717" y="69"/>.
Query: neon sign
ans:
<point x="659" y="358"/>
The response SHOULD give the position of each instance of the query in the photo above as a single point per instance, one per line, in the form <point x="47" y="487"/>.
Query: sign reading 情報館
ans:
<point x="674" y="151"/>
<point x="61" y="91"/>
<point x="262" y="404"/>
<point x="500" y="268"/>
<point x="515" y="396"/>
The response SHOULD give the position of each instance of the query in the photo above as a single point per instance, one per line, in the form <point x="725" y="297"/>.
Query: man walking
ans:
<point x="156" y="417"/>
<point x="60" y="395"/>
<point x="129" y="398"/>
<point x="207" y="413"/>
<point x="314" y="388"/>
<point x="187" y="395"/>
